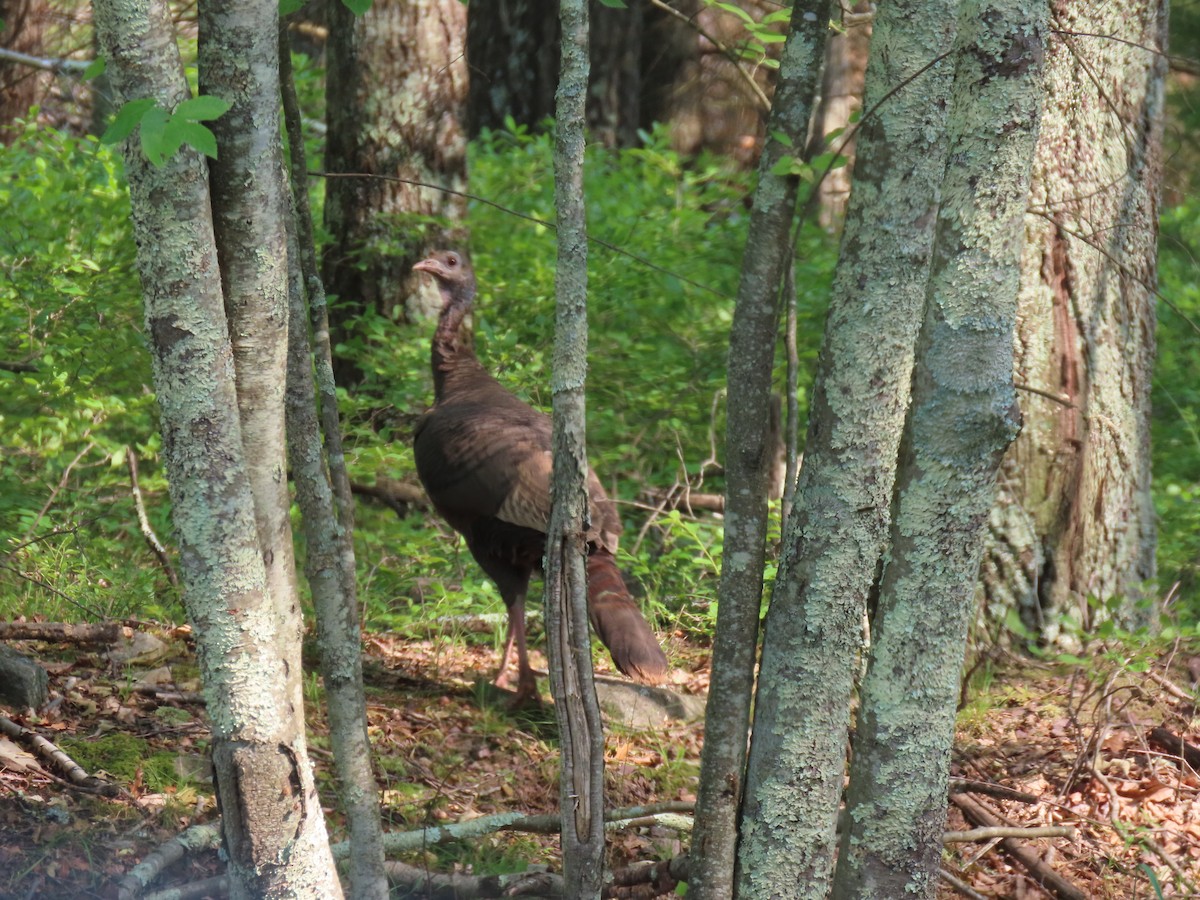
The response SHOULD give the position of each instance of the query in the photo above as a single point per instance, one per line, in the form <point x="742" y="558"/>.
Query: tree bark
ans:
<point x="1074" y="520"/>
<point x="748" y="455"/>
<point x="842" y="81"/>
<point x="21" y="26"/>
<point x="329" y="562"/>
<point x="395" y="99"/>
<point x="581" y="781"/>
<point x="272" y="821"/>
<point x="835" y="538"/>
<point x="963" y="417"/>
<point x="239" y="62"/>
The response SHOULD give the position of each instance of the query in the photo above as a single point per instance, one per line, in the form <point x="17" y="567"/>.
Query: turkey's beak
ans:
<point x="427" y="265"/>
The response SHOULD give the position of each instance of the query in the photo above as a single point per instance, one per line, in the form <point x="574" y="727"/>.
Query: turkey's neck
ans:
<point x="451" y="357"/>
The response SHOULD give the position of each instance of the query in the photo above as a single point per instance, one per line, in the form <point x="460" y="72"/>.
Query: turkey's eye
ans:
<point x="452" y="261"/>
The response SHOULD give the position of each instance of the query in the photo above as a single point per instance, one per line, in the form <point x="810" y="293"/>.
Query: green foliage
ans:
<point x="75" y="378"/>
<point x="163" y="132"/>
<point x="1176" y="406"/>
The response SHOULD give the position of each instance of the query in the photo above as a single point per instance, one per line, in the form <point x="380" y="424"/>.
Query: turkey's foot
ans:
<point x="525" y="694"/>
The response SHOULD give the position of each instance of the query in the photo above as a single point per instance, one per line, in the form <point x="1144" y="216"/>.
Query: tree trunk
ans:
<point x="837" y="533"/>
<point x="1074" y="519"/>
<point x="962" y="418"/>
<point x="328" y="528"/>
<point x="647" y="66"/>
<point x="21" y="26"/>
<point x="512" y="53"/>
<point x="395" y="98"/>
<point x="581" y="781"/>
<point x="842" y="79"/>
<point x="748" y="456"/>
<point x="239" y="63"/>
<point x="272" y="821"/>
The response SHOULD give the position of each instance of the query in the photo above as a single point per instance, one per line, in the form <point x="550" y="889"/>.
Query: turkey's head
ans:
<point x="453" y="274"/>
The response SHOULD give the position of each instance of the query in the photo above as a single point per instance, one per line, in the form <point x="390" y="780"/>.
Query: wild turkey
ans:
<point x="484" y="458"/>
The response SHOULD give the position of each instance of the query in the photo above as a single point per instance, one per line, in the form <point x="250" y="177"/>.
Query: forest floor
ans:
<point x="1037" y="746"/>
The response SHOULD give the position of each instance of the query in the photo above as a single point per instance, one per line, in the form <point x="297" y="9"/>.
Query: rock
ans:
<point x="642" y="707"/>
<point x="23" y="683"/>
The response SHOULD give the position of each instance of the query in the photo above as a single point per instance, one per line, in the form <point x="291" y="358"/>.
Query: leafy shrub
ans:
<point x="76" y="383"/>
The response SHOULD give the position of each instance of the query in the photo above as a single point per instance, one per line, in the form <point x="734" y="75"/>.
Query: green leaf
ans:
<point x="783" y="137"/>
<point x="95" y="69"/>
<point x="197" y="136"/>
<point x="287" y="7"/>
<point x="614" y="4"/>
<point x="126" y="120"/>
<point x="358" y="7"/>
<point x="153" y="132"/>
<point x="737" y="11"/>
<point x="203" y="108"/>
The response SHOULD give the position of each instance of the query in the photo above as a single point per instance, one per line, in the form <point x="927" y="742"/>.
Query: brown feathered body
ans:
<point x="484" y="457"/>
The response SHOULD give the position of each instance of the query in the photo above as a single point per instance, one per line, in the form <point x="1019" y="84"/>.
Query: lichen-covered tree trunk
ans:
<point x="748" y="455"/>
<point x="1074" y="518"/>
<point x="837" y="533"/>
<point x="396" y="92"/>
<point x="272" y="821"/>
<point x="239" y="62"/>
<point x="581" y="780"/>
<point x="962" y="418"/>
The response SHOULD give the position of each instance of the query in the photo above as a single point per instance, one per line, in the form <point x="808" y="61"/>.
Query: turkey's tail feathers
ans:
<point x="619" y="623"/>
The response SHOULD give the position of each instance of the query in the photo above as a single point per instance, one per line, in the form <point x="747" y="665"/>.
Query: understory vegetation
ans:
<point x="79" y="414"/>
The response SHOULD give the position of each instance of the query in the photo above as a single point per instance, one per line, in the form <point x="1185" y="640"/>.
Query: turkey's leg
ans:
<point x="526" y="681"/>
<point x="516" y="611"/>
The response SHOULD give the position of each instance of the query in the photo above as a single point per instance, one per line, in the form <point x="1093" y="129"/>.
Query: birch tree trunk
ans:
<point x="963" y="417"/>
<point x="272" y="821"/>
<point x="581" y="733"/>
<point x="396" y="94"/>
<point x="837" y="533"/>
<point x="238" y="61"/>
<point x="748" y="455"/>
<point x="1074" y="519"/>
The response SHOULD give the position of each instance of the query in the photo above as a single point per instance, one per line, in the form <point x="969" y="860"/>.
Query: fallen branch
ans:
<point x="402" y="841"/>
<point x="65" y="632"/>
<point x="967" y="786"/>
<point x="1173" y="743"/>
<point x="185" y="698"/>
<point x="992" y="832"/>
<point x="193" y="840"/>
<point x="217" y="886"/>
<point x="437" y="886"/>
<point x="979" y="814"/>
<point x="959" y="885"/>
<point x="1171" y="687"/>
<point x="74" y="772"/>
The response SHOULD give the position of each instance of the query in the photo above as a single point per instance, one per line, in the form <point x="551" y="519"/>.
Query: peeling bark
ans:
<point x="1079" y="474"/>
